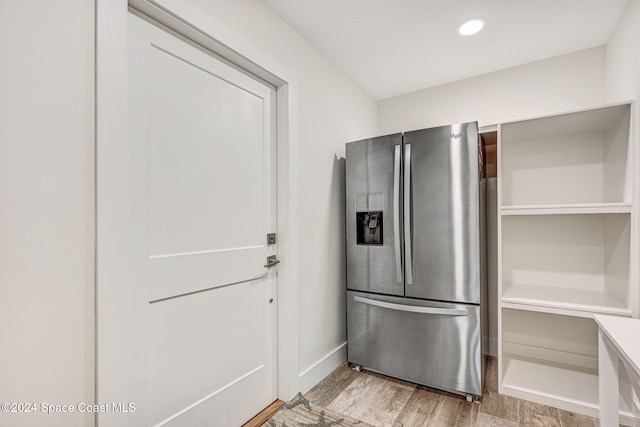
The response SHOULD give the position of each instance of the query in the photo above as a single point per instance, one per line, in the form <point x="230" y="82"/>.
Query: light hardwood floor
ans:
<point x="386" y="402"/>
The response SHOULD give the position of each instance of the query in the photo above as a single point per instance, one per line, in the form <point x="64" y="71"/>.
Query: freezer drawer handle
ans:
<point x="396" y="213"/>
<point x="413" y="308"/>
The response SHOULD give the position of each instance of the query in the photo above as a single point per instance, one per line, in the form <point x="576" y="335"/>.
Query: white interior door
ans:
<point x="200" y="171"/>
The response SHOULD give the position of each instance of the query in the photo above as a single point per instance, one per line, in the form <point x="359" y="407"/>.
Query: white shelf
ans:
<point x="555" y="384"/>
<point x="572" y="262"/>
<point x="567" y="209"/>
<point x="577" y="158"/>
<point x="558" y="300"/>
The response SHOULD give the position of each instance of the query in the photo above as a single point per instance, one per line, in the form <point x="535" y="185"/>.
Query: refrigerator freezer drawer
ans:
<point x="427" y="342"/>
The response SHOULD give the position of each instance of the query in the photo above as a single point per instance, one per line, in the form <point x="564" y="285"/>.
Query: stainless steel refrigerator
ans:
<point x="415" y="234"/>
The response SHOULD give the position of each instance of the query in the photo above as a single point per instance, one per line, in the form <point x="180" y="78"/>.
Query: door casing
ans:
<point x="111" y="122"/>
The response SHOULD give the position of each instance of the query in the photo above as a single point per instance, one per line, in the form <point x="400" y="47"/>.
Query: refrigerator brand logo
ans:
<point x="456" y="135"/>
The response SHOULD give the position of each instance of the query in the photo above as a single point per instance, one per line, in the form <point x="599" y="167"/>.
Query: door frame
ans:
<point x="111" y="130"/>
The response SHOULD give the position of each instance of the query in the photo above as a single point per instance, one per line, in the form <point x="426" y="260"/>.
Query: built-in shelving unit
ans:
<point x="566" y="221"/>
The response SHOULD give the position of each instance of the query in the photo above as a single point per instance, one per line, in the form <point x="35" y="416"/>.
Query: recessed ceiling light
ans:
<point x="471" y="26"/>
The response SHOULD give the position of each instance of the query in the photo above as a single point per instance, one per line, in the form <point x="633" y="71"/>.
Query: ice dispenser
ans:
<point x="369" y="209"/>
<point x="369" y="228"/>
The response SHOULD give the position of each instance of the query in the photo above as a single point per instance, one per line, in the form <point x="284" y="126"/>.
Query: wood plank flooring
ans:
<point x="381" y="401"/>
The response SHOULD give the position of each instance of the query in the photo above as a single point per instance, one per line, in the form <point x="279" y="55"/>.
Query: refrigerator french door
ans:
<point x="415" y="257"/>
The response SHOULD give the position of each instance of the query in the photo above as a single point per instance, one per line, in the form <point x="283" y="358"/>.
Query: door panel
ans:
<point x="445" y="214"/>
<point x="201" y="168"/>
<point x="189" y="361"/>
<point x="431" y="343"/>
<point x="374" y="213"/>
<point x="202" y="131"/>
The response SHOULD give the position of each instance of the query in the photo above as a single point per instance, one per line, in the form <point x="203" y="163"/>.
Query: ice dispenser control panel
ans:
<point x="369" y="228"/>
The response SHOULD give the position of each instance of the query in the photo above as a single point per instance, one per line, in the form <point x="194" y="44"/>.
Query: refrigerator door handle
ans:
<point x="412" y="308"/>
<point x="396" y="212"/>
<point x="407" y="214"/>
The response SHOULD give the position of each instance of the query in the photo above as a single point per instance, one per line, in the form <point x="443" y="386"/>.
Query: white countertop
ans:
<point x="624" y="334"/>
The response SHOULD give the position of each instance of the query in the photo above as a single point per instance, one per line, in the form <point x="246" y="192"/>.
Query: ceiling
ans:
<point x="392" y="47"/>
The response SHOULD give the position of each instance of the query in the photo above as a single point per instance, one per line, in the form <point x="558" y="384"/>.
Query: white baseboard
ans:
<point x="323" y="367"/>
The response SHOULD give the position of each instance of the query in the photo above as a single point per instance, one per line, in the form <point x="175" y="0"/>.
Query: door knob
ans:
<point x="271" y="261"/>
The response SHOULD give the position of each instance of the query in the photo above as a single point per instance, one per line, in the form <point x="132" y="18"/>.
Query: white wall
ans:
<point x="623" y="67"/>
<point x="46" y="207"/>
<point x="332" y="111"/>
<point x="562" y="83"/>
